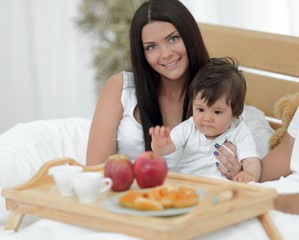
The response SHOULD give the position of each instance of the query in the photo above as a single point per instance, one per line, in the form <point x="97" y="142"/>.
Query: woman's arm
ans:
<point x="287" y="203"/>
<point x="277" y="162"/>
<point x="103" y="130"/>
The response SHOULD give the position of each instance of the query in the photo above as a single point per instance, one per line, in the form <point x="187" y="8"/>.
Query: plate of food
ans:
<point x="161" y="201"/>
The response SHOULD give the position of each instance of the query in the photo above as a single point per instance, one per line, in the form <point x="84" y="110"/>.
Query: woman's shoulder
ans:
<point x="120" y="81"/>
<point x="121" y="86"/>
<point x="128" y="79"/>
<point x="128" y="96"/>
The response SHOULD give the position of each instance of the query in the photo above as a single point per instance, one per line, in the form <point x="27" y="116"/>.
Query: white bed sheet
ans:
<point x="24" y="148"/>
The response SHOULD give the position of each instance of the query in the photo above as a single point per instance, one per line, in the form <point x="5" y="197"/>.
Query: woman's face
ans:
<point x="165" y="50"/>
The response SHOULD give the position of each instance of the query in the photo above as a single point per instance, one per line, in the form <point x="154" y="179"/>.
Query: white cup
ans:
<point x="63" y="178"/>
<point x="89" y="185"/>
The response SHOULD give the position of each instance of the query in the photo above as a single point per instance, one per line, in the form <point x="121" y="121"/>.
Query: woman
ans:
<point x="283" y="161"/>
<point x="166" y="52"/>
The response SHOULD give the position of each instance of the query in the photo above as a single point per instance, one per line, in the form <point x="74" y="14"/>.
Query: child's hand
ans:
<point x="160" y="136"/>
<point x="244" y="177"/>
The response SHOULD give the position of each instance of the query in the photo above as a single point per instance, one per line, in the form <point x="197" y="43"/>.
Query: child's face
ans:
<point x="213" y="120"/>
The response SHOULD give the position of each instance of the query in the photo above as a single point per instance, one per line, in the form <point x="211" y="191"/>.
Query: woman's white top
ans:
<point x="294" y="132"/>
<point x="198" y="152"/>
<point x="130" y="139"/>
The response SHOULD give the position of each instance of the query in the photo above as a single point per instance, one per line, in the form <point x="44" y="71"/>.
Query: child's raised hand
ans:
<point x="160" y="136"/>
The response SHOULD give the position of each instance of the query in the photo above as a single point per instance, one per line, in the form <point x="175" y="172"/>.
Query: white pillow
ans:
<point x="260" y="128"/>
<point x="26" y="147"/>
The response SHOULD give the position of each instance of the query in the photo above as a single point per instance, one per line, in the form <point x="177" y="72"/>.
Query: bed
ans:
<point x="269" y="63"/>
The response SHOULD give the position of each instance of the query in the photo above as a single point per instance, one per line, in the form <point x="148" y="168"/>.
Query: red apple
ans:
<point x="119" y="168"/>
<point x="150" y="169"/>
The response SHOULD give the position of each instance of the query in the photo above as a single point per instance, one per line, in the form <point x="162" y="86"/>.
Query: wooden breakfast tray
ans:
<point x="40" y="197"/>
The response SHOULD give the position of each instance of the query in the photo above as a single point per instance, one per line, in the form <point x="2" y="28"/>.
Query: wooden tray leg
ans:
<point x="14" y="221"/>
<point x="269" y="226"/>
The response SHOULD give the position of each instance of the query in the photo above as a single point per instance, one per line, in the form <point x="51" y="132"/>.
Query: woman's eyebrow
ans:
<point x="168" y="36"/>
<point x="171" y="34"/>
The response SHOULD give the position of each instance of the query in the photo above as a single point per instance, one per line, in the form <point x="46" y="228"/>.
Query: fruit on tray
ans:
<point x="150" y="169"/>
<point x="119" y="168"/>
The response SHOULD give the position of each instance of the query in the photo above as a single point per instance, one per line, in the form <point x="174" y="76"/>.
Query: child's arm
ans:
<point x="252" y="169"/>
<point x="161" y="141"/>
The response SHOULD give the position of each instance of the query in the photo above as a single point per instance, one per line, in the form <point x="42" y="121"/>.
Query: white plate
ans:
<point x="113" y="205"/>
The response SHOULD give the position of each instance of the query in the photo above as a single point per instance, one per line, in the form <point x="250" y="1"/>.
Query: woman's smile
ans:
<point x="170" y="65"/>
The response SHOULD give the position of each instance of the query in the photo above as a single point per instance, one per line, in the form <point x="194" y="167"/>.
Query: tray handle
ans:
<point x="70" y="161"/>
<point x="42" y="177"/>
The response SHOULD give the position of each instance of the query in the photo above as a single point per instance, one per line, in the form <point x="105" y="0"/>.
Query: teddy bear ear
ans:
<point x="280" y="105"/>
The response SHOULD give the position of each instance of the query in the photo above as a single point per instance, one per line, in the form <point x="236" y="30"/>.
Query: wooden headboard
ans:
<point x="270" y="61"/>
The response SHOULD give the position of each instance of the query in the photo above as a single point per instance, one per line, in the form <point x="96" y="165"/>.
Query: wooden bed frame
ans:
<point x="270" y="61"/>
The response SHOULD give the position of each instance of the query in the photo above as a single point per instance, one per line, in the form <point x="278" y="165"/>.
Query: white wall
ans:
<point x="45" y="61"/>
<point x="276" y="16"/>
<point x="45" y="69"/>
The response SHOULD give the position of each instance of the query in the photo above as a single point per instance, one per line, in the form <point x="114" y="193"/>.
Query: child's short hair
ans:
<point x="219" y="77"/>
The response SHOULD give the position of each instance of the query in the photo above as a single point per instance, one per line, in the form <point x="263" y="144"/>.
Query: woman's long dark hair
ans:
<point x="146" y="79"/>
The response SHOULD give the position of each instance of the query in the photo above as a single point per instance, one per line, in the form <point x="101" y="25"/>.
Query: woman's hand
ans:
<point x="228" y="157"/>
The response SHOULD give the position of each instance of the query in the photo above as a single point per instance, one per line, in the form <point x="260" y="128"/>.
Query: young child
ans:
<point x="217" y="95"/>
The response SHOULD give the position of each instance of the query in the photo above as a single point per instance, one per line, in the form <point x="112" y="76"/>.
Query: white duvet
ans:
<point x="25" y="147"/>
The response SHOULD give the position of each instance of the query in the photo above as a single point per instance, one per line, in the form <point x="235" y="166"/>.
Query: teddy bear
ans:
<point x="284" y="109"/>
